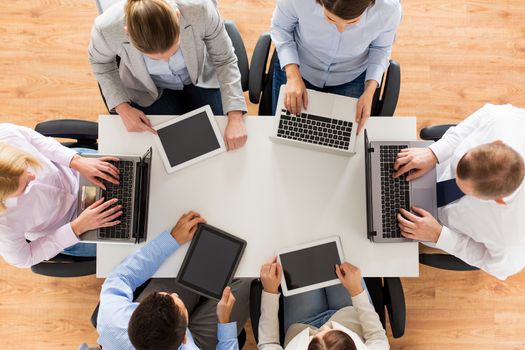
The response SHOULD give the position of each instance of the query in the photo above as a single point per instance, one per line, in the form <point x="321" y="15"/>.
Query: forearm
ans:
<point x="373" y="331"/>
<point x="227" y="336"/>
<point x="269" y="322"/>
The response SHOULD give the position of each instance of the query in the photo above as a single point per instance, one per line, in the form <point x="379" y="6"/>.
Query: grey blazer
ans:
<point x="205" y="44"/>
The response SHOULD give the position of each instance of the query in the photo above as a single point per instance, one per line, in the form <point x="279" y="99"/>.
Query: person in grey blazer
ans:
<point x="175" y="56"/>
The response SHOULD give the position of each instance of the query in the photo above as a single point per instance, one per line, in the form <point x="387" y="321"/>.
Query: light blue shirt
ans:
<point x="171" y="75"/>
<point x="327" y="57"/>
<point x="116" y="298"/>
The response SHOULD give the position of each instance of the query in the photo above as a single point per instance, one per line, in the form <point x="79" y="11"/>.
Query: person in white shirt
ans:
<point x="353" y="326"/>
<point x="485" y="227"/>
<point x="38" y="197"/>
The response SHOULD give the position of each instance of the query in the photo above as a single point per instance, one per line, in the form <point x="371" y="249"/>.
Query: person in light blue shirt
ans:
<point x="174" y="318"/>
<point x="336" y="46"/>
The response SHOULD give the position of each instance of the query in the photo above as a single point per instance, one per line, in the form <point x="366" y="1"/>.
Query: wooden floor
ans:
<point x="455" y="56"/>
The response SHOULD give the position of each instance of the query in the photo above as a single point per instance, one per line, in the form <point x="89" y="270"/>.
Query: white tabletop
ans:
<point x="274" y="196"/>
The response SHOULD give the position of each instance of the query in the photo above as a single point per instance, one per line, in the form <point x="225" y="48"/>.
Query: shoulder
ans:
<point x="9" y="131"/>
<point x="194" y="8"/>
<point x="112" y="21"/>
<point x="390" y="11"/>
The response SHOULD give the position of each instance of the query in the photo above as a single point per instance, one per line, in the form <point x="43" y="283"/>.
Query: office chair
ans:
<point x="260" y="82"/>
<point x="441" y="261"/>
<point x="85" y="134"/>
<point x="385" y="293"/>
<point x="241" y="338"/>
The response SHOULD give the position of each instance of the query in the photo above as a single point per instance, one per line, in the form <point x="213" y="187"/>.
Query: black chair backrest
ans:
<point x="240" y="52"/>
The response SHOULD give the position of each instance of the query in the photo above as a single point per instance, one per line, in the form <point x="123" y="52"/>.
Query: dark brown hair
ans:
<point x="495" y="169"/>
<point x="153" y="25"/>
<point x="346" y="9"/>
<point x="333" y="340"/>
<point x="157" y="323"/>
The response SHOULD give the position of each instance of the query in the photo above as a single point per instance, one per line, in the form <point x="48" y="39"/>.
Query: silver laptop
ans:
<point x="385" y="195"/>
<point x="132" y="193"/>
<point x="327" y="125"/>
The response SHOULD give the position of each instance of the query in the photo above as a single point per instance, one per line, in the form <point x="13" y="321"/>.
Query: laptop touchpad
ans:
<point x="422" y="198"/>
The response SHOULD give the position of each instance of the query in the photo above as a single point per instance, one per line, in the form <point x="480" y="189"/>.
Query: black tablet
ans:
<point x="211" y="261"/>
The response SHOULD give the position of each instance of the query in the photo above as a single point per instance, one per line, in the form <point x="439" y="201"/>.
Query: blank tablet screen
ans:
<point x="211" y="262"/>
<point x="309" y="266"/>
<point x="188" y="139"/>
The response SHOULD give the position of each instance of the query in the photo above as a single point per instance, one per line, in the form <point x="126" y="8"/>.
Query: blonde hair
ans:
<point x="495" y="169"/>
<point x="153" y="25"/>
<point x="13" y="163"/>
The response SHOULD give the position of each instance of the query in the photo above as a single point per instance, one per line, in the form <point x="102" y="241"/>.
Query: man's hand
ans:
<point x="235" y="134"/>
<point x="295" y="91"/>
<point x="422" y="228"/>
<point x="94" y="169"/>
<point x="364" y="105"/>
<point x="134" y="119"/>
<point x="420" y="159"/>
<point x="350" y="277"/>
<point x="98" y="214"/>
<point x="186" y="226"/>
<point x="271" y="273"/>
<point x="225" y="306"/>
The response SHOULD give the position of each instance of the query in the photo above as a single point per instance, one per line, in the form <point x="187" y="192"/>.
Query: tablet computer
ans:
<point x="188" y="139"/>
<point x="310" y="266"/>
<point x="211" y="261"/>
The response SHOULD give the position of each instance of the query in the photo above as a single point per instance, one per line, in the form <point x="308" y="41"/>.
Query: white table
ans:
<point x="272" y="195"/>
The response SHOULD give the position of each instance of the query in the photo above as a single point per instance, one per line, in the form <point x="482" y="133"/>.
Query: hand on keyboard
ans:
<point x="420" y="160"/>
<point x="422" y="227"/>
<point x="96" y="169"/>
<point x="98" y="214"/>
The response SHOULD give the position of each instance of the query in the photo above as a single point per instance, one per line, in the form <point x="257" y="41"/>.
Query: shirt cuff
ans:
<point x="441" y="150"/>
<point x="227" y="331"/>
<point x="375" y="72"/>
<point x="166" y="240"/>
<point x="65" y="155"/>
<point x="66" y="237"/>
<point x="446" y="240"/>
<point x="361" y="299"/>
<point x="270" y="299"/>
<point x="288" y="56"/>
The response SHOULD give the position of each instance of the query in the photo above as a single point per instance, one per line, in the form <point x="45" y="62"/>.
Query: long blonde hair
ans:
<point x="153" y="25"/>
<point x="13" y="163"/>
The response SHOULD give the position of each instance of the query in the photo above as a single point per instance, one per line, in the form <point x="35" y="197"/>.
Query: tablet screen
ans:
<point x="305" y="267"/>
<point x="211" y="262"/>
<point x="188" y="139"/>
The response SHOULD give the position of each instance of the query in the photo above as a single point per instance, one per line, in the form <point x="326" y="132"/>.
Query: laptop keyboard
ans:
<point x="394" y="192"/>
<point x="122" y="191"/>
<point x="314" y="129"/>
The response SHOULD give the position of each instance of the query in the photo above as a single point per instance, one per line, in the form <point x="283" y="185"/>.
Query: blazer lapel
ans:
<point x="187" y="46"/>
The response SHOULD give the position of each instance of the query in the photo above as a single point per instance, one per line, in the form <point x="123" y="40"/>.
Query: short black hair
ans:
<point x="346" y="9"/>
<point x="157" y="323"/>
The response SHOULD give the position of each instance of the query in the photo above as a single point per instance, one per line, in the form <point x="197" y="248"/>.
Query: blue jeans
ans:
<point x="355" y="88"/>
<point x="82" y="249"/>
<point x="317" y="306"/>
<point x="177" y="102"/>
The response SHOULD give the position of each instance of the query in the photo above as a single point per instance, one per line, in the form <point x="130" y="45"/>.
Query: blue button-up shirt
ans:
<point x="327" y="57"/>
<point x="169" y="75"/>
<point x="116" y="298"/>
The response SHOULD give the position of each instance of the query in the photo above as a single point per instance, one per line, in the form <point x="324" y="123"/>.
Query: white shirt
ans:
<point x="169" y="75"/>
<point x="484" y="233"/>
<point x="360" y="321"/>
<point x="43" y="212"/>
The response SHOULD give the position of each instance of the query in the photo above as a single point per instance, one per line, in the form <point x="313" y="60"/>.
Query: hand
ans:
<point x="225" y="306"/>
<point x="295" y="90"/>
<point x="186" y="226"/>
<point x="98" y="214"/>
<point x="94" y="169"/>
<point x="421" y="159"/>
<point x="350" y="277"/>
<point x="271" y="273"/>
<point x="422" y="228"/>
<point x="134" y="119"/>
<point x="235" y="133"/>
<point x="364" y="105"/>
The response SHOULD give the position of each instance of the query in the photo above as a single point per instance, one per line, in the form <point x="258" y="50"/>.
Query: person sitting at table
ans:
<point x="334" y="318"/>
<point x="166" y="315"/>
<point x="39" y="183"/>
<point x="174" y="56"/>
<point x="481" y="196"/>
<point x="336" y="46"/>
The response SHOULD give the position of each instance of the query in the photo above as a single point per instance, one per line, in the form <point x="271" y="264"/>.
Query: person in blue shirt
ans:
<point x="167" y="316"/>
<point x="336" y="46"/>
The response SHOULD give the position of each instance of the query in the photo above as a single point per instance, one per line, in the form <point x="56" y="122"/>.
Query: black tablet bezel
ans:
<point x="191" y="249"/>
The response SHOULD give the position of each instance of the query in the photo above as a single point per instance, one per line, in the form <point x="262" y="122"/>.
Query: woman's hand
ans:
<point x="235" y="132"/>
<point x="295" y="90"/>
<point x="98" y="214"/>
<point x="134" y="120"/>
<point x="364" y="105"/>
<point x="94" y="169"/>
<point x="271" y="273"/>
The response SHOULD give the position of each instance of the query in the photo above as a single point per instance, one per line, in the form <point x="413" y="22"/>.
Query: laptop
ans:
<point x="132" y="193"/>
<point x="385" y="195"/>
<point x="327" y="125"/>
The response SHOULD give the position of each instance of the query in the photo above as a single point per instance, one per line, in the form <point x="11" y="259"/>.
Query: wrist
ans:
<point x="438" y="234"/>
<point x="355" y="291"/>
<point x="370" y="87"/>
<point x="76" y="227"/>
<point x="122" y="107"/>
<point x="235" y="116"/>
<point x="435" y="159"/>
<point x="271" y="290"/>
<point x="292" y="71"/>
<point x="73" y="164"/>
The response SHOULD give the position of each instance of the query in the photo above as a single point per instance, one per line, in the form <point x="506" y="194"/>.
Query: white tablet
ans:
<point x="188" y="139"/>
<point x="310" y="266"/>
